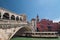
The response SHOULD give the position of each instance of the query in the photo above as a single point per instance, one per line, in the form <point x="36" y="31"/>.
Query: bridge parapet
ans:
<point x="2" y="21"/>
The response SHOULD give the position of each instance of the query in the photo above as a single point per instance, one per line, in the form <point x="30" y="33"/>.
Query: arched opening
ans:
<point x="20" y="19"/>
<point x="17" y="18"/>
<point x="21" y="32"/>
<point x="6" y="16"/>
<point x="0" y="15"/>
<point x="12" y="17"/>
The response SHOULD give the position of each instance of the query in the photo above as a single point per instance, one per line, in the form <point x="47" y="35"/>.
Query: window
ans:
<point x="49" y="28"/>
<point x="37" y="30"/>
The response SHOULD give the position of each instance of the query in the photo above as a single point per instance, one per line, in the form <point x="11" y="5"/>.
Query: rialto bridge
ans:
<point x="11" y="23"/>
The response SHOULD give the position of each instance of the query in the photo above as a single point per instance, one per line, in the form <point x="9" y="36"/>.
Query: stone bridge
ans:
<point x="11" y="23"/>
<point x="9" y="28"/>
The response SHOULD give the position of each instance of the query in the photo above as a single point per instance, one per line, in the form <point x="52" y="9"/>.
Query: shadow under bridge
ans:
<point x="22" y="31"/>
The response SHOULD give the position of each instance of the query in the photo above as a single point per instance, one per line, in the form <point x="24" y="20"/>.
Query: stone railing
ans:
<point x="2" y="21"/>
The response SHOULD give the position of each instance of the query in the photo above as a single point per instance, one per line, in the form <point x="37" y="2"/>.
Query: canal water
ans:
<point x="28" y="38"/>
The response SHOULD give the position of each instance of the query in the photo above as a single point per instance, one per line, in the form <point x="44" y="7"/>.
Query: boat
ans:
<point x="41" y="34"/>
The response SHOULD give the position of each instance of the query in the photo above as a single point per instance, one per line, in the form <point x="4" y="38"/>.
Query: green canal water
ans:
<point x="25" y="38"/>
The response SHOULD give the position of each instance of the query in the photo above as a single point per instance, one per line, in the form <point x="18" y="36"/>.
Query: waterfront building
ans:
<point x="45" y="25"/>
<point x="33" y="23"/>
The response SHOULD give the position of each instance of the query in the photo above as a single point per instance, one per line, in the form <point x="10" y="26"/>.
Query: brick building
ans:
<point x="46" y="25"/>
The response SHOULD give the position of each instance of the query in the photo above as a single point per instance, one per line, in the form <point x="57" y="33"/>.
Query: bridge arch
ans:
<point x="17" y="18"/>
<point x="21" y="19"/>
<point x="0" y="15"/>
<point x="6" y="16"/>
<point x="12" y="17"/>
<point x="21" y="31"/>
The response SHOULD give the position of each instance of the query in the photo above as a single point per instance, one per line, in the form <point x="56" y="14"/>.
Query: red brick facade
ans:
<point x="47" y="25"/>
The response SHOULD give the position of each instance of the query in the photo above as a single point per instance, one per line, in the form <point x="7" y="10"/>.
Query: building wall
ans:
<point x="47" y="25"/>
<point x="33" y="23"/>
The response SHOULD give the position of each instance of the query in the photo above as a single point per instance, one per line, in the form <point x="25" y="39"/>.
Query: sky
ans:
<point x="46" y="9"/>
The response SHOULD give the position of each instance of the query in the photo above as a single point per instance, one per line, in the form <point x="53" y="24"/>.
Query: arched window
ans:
<point x="20" y="19"/>
<point x="12" y="17"/>
<point x="17" y="18"/>
<point x="6" y="16"/>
